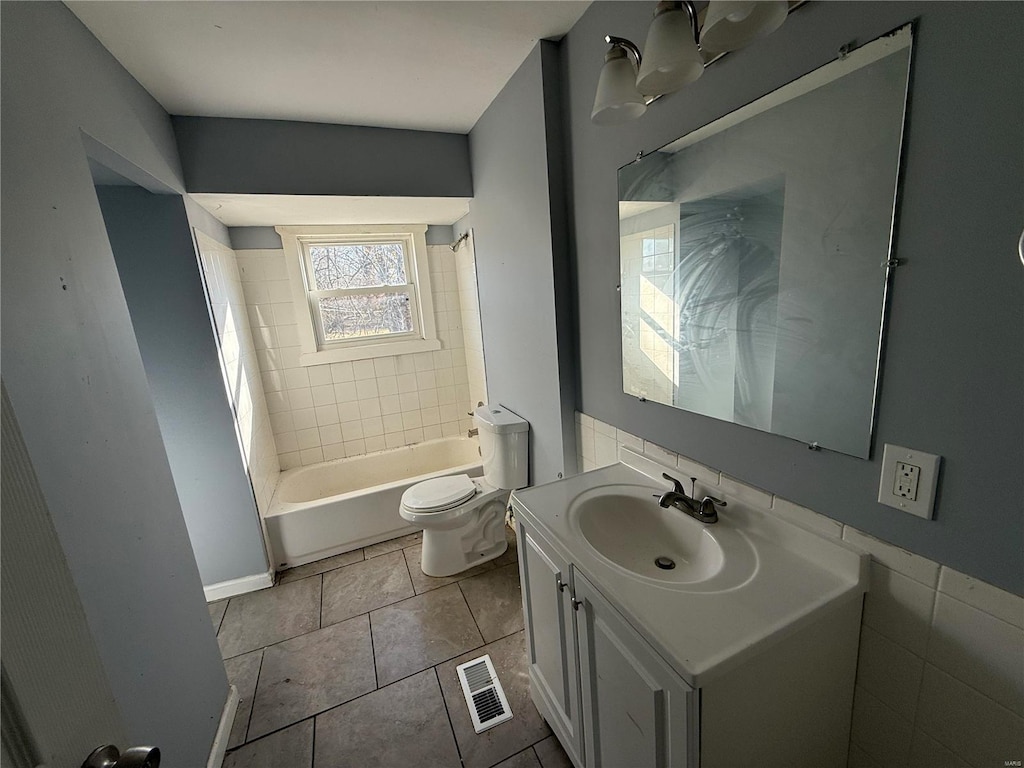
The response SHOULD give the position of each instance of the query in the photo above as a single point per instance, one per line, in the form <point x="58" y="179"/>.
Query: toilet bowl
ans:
<point x="463" y="522"/>
<point x="463" y="518"/>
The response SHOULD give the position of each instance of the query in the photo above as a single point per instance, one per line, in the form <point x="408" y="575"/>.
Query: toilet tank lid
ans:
<point x="499" y="420"/>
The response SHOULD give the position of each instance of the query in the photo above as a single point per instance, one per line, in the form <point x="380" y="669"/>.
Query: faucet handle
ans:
<point x="678" y="485"/>
<point x="715" y="501"/>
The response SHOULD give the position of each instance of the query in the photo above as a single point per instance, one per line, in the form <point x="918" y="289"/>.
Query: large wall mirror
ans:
<point x="755" y="254"/>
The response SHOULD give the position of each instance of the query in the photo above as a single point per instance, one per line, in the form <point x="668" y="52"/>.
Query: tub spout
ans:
<point x="472" y="433"/>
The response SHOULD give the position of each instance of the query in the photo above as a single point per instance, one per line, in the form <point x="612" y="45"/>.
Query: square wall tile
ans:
<point x="879" y="731"/>
<point x="342" y="372"/>
<point x="311" y="456"/>
<point x="980" y="650"/>
<point x="889" y="672"/>
<point x="899" y="608"/>
<point x="968" y="723"/>
<point x="900" y="560"/>
<point x="690" y="468"/>
<point x="977" y="594"/>
<point x="807" y="518"/>
<point x="319" y="375"/>
<point x="926" y="752"/>
<point x="748" y="494"/>
<point x="654" y="452"/>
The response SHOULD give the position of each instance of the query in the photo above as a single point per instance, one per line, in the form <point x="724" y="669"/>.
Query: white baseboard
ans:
<point x="233" y="587"/>
<point x="227" y="718"/>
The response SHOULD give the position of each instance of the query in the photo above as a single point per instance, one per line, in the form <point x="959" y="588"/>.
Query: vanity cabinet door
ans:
<point x="637" y="711"/>
<point x="550" y="638"/>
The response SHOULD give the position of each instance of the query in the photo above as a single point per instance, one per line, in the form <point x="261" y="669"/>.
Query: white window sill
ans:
<point x="368" y="351"/>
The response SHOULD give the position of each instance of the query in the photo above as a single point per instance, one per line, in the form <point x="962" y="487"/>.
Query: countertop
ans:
<point x="799" y="576"/>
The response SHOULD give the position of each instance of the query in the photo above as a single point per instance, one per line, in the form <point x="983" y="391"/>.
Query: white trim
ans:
<point x="227" y="718"/>
<point x="292" y="240"/>
<point x="233" y="587"/>
<point x="365" y="351"/>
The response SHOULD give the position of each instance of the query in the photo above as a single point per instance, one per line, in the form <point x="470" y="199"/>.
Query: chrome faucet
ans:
<point x="703" y="511"/>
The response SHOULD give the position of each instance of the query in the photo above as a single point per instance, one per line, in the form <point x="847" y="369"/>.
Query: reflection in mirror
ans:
<point x="755" y="254"/>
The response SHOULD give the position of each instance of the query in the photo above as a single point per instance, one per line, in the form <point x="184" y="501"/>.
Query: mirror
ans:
<point x="755" y="254"/>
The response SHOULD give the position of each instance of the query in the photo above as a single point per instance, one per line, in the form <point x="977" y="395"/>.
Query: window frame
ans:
<point x="305" y="297"/>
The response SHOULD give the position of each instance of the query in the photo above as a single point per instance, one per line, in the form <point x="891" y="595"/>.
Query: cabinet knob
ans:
<point x="560" y="584"/>
<point x="576" y="603"/>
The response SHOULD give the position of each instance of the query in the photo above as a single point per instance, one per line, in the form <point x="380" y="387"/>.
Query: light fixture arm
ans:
<point x="691" y="11"/>
<point x="627" y="45"/>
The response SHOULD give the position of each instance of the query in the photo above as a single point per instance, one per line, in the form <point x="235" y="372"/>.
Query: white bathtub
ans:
<point x="334" y="507"/>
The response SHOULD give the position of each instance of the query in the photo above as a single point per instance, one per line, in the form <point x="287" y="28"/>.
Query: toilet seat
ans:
<point x="439" y="494"/>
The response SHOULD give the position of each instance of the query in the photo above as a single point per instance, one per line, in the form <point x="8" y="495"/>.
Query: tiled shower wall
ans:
<point x="940" y="678"/>
<point x="324" y="412"/>
<point x="241" y="369"/>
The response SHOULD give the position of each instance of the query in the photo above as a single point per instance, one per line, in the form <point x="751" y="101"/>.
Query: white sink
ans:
<point x="626" y="527"/>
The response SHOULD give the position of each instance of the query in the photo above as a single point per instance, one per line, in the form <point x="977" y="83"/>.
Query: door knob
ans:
<point x="109" y="756"/>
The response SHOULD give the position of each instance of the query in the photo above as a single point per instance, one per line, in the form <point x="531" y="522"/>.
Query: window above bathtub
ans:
<point x="360" y="291"/>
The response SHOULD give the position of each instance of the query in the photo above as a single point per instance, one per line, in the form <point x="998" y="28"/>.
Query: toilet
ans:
<point x="463" y="517"/>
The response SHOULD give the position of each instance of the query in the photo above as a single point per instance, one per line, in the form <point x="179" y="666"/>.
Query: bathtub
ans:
<point x="337" y="506"/>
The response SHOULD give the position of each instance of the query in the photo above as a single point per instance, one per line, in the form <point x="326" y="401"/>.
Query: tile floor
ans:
<point x="350" y="661"/>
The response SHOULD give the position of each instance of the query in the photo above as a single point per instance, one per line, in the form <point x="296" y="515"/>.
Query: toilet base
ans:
<point x="447" y="552"/>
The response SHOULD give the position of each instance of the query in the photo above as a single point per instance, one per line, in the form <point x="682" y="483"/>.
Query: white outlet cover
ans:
<point x="924" y="505"/>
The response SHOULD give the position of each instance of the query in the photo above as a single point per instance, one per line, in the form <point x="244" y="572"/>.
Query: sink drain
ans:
<point x="665" y="563"/>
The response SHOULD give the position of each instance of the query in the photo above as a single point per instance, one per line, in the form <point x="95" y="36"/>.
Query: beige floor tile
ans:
<point x="403" y="724"/>
<point x="292" y="747"/>
<point x="362" y="587"/>
<point x="309" y="674"/>
<point x="422" y="631"/>
<point x="502" y="741"/>
<point x="270" y="616"/>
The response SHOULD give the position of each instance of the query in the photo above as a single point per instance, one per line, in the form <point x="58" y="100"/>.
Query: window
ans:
<point x="360" y="292"/>
<point x="659" y="252"/>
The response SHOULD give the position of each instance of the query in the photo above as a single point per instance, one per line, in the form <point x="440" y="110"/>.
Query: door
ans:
<point x="57" y="703"/>
<point x="550" y="637"/>
<point x="637" y="711"/>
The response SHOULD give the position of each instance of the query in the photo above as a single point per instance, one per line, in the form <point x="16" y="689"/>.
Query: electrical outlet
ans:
<point x="909" y="479"/>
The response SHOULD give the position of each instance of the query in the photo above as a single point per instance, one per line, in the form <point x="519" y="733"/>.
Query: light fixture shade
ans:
<point x="617" y="100"/>
<point x="732" y="24"/>
<point x="670" y="58"/>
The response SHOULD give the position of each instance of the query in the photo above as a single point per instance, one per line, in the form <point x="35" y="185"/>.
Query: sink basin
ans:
<point x="625" y="526"/>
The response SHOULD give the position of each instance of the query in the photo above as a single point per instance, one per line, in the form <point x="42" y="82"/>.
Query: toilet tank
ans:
<point x="503" y="446"/>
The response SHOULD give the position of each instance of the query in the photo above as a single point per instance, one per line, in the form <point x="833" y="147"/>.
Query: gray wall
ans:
<point x="246" y="238"/>
<point x="152" y="245"/>
<point x="521" y="267"/>
<point x="954" y="367"/>
<point x="282" y="157"/>
<point x="77" y="384"/>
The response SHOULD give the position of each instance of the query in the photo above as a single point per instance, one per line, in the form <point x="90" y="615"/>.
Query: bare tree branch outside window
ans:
<point x="358" y="266"/>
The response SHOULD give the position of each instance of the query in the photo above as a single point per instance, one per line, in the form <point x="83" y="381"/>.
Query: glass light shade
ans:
<point x="670" y="59"/>
<point x="732" y="24"/>
<point x="617" y="100"/>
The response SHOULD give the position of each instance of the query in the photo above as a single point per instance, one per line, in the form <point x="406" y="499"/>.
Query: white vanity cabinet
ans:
<point x="632" y="671"/>
<point x="611" y="700"/>
<point x="551" y="637"/>
<point x="637" y="711"/>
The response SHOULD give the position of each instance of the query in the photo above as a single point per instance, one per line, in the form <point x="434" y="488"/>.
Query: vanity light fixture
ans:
<point x="677" y="51"/>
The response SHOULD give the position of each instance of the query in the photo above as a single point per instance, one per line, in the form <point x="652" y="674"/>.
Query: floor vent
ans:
<point x="486" y="700"/>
